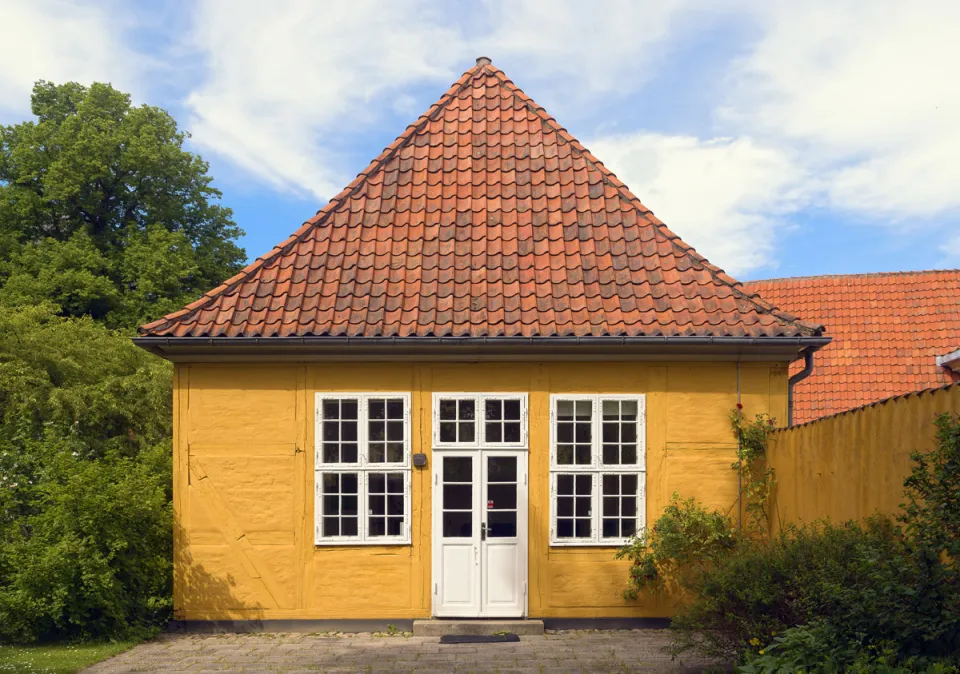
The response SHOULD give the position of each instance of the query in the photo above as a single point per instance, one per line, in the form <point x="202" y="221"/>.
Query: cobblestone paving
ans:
<point x="567" y="651"/>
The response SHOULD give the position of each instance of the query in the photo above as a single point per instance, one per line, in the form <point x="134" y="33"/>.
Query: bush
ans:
<point x="85" y="489"/>
<point x="817" y="648"/>
<point x="866" y="582"/>
<point x="871" y="596"/>
<point x="682" y="543"/>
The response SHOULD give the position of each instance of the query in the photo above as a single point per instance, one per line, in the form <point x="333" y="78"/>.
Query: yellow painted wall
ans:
<point x="244" y="481"/>
<point x="851" y="465"/>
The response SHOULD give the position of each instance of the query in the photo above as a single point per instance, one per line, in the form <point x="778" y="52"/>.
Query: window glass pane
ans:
<point x="511" y="432"/>
<point x="620" y="501"/>
<point x="448" y="431"/>
<point x="348" y="452"/>
<point x="339" y="430"/>
<point x="395" y="452"/>
<point x="620" y="432"/>
<point x="511" y="410"/>
<point x="394" y="526"/>
<point x="564" y="455"/>
<point x="582" y="455"/>
<point x="378" y="409"/>
<point x="395" y="408"/>
<point x="494" y="431"/>
<point x="466" y="410"/>
<point x="466" y="431"/>
<point x="565" y="410"/>
<point x="584" y="410"/>
<point x="378" y="452"/>
<point x="339" y="504"/>
<point x="395" y="430"/>
<point x="494" y="410"/>
<point x="565" y="433"/>
<point x="376" y="431"/>
<point x="574" y="504"/>
<point x="395" y="504"/>
<point x="448" y="409"/>
<point x="378" y="526"/>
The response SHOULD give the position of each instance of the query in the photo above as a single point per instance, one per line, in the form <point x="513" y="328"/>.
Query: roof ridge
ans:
<point x="659" y="226"/>
<point x="871" y="274"/>
<point x="308" y="225"/>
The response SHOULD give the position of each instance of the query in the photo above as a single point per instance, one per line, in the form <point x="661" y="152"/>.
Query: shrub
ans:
<point x="865" y="581"/>
<point x="683" y="542"/>
<point x="817" y="648"/>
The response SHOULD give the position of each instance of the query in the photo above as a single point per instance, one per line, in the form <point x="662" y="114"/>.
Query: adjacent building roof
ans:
<point x="485" y="218"/>
<point x="887" y="329"/>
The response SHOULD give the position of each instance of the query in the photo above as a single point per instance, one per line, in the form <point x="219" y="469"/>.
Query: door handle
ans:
<point x="483" y="531"/>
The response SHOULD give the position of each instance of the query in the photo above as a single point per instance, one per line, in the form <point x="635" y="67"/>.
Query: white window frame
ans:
<point x="480" y="440"/>
<point x="363" y="468"/>
<point x="597" y="469"/>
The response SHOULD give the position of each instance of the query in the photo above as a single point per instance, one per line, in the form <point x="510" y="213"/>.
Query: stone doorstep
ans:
<point x="439" y="628"/>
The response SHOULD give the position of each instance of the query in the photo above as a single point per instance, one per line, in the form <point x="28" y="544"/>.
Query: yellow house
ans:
<point x="457" y="389"/>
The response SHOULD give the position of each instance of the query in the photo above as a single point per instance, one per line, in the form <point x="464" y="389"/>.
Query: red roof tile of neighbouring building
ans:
<point x="887" y="329"/>
<point x="485" y="218"/>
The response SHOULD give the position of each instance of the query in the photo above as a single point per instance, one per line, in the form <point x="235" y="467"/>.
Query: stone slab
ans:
<point x="439" y="628"/>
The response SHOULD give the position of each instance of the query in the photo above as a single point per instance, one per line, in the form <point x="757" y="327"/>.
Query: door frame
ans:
<point x="523" y="537"/>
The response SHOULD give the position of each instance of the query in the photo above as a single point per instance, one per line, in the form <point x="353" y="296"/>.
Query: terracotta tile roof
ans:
<point x="484" y="218"/>
<point x="887" y="331"/>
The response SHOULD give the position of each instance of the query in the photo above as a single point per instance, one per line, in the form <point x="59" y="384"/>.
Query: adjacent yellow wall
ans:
<point x="851" y="465"/>
<point x="244" y="482"/>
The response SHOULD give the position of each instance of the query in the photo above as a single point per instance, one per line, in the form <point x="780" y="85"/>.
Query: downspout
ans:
<point x="739" y="450"/>
<point x="796" y="379"/>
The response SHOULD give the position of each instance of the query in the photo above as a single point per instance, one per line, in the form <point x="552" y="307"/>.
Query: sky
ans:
<point x="779" y="138"/>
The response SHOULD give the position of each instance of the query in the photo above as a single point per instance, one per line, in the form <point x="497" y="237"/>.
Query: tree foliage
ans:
<point x="104" y="213"/>
<point x="85" y="515"/>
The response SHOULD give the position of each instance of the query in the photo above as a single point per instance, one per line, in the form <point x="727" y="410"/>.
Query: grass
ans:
<point x="57" y="658"/>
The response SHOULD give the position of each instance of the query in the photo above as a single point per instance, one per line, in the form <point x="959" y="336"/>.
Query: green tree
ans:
<point x="85" y="494"/>
<point x="104" y="213"/>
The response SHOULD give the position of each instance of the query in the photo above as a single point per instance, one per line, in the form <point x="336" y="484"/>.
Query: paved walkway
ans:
<point x="566" y="651"/>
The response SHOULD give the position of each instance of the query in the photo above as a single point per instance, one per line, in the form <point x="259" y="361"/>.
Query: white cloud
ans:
<point x="583" y="48"/>
<point x="726" y="197"/>
<point x="286" y="79"/>
<point x="59" y="42"/>
<point x="868" y="92"/>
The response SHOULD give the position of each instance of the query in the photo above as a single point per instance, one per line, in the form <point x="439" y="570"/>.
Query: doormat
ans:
<point x="478" y="638"/>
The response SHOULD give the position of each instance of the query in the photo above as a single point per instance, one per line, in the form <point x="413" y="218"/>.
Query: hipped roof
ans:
<point x="484" y="218"/>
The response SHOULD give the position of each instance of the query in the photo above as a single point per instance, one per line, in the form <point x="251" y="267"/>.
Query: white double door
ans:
<point x="480" y="533"/>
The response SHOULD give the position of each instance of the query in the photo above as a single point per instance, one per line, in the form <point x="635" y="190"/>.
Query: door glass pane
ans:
<point x="457" y="496"/>
<point x="501" y="496"/>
